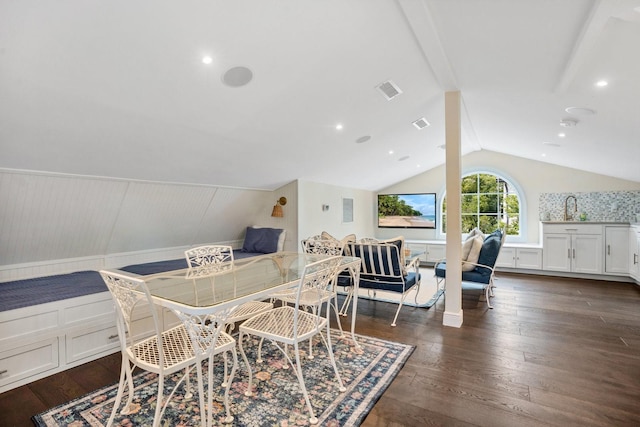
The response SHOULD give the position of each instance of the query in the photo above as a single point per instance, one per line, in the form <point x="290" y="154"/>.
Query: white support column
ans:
<point x="453" y="298"/>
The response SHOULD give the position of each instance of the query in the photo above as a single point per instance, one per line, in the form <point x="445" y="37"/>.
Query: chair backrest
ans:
<point x="132" y="302"/>
<point x="379" y="261"/>
<point x="316" y="279"/>
<point x="317" y="245"/>
<point x="208" y="255"/>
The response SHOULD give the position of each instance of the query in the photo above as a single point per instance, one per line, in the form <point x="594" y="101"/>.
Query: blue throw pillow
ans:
<point x="261" y="240"/>
<point x="490" y="249"/>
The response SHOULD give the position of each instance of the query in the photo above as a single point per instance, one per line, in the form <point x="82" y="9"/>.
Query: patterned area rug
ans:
<point x="277" y="400"/>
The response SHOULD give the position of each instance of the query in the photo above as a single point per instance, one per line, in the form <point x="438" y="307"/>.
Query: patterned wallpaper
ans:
<point x="617" y="206"/>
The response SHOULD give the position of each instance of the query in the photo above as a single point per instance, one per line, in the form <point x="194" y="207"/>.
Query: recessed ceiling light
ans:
<point x="237" y="76"/>
<point x="562" y="135"/>
<point x="362" y="139"/>
<point x="580" y="111"/>
<point x="339" y="126"/>
<point x="602" y="83"/>
<point x="207" y="60"/>
<point x="390" y="151"/>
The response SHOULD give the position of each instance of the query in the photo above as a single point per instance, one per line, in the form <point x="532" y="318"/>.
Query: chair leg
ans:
<point x="488" y="294"/>
<point x="229" y="418"/>
<point x="404" y="295"/>
<point x="341" y="386"/>
<point x="123" y="378"/>
<point x="248" y="392"/>
<point x="187" y="386"/>
<point x="160" y="398"/>
<point x="345" y="305"/>
<point x="312" y="417"/>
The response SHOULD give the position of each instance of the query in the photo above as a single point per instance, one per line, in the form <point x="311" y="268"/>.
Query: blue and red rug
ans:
<point x="277" y="400"/>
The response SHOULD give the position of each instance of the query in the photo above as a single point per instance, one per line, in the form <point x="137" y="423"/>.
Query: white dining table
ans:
<point x="216" y="290"/>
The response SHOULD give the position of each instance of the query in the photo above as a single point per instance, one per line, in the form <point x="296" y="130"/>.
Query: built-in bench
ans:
<point x="49" y="324"/>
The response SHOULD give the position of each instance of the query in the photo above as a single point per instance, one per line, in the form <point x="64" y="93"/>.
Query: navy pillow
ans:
<point x="490" y="249"/>
<point x="262" y="240"/>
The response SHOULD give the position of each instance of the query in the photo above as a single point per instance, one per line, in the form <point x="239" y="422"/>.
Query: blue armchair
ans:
<point x="484" y="269"/>
<point x="382" y="269"/>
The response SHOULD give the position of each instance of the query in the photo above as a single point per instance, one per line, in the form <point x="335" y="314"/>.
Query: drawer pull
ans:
<point x="113" y="337"/>
<point x="4" y="371"/>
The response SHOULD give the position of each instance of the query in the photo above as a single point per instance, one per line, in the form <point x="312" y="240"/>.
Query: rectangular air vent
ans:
<point x="389" y="90"/>
<point x="421" y="123"/>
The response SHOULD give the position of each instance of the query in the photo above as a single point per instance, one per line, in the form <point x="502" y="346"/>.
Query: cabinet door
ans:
<point x="530" y="258"/>
<point x="436" y="252"/>
<point x="616" y="257"/>
<point x="587" y="253"/>
<point x="506" y="258"/>
<point x="556" y="254"/>
<point x="634" y="253"/>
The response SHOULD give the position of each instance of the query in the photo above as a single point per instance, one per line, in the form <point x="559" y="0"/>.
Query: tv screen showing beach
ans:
<point x="407" y="210"/>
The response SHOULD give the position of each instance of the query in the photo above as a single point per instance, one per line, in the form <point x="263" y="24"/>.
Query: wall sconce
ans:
<point x="277" y="208"/>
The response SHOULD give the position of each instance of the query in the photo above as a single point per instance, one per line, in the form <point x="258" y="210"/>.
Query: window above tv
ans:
<point x="407" y="210"/>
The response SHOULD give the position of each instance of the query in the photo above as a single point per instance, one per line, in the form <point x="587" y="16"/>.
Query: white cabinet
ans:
<point x="44" y="339"/>
<point x="520" y="257"/>
<point x="436" y="253"/>
<point x="616" y="254"/>
<point x="22" y="362"/>
<point x="575" y="248"/>
<point x="431" y="252"/>
<point x="634" y="252"/>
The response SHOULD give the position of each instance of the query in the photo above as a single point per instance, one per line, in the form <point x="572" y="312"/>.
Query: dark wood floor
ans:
<point x="553" y="352"/>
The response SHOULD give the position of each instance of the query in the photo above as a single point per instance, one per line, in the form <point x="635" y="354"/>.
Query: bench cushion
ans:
<point x="41" y="290"/>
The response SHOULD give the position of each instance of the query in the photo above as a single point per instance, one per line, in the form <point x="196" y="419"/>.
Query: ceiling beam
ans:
<point x="420" y="21"/>
<point x="600" y="13"/>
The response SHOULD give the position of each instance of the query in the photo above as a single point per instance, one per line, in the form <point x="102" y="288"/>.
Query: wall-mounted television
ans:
<point x="407" y="210"/>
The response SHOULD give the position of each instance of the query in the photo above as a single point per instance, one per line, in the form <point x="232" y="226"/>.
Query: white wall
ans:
<point x="313" y="220"/>
<point x="532" y="178"/>
<point x="54" y="223"/>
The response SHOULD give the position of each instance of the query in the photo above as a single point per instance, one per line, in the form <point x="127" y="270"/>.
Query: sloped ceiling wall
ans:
<point x="47" y="217"/>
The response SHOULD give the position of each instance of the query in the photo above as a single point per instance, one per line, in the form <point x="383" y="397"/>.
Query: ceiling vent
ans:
<point x="389" y="90"/>
<point x="421" y="123"/>
<point x="568" y="123"/>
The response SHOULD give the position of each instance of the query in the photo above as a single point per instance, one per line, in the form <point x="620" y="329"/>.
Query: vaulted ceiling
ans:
<point x="120" y="89"/>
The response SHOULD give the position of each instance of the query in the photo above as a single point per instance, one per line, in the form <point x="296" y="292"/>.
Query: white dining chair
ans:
<point x="222" y="256"/>
<point x="290" y="325"/>
<point x="163" y="351"/>
<point x="208" y="255"/>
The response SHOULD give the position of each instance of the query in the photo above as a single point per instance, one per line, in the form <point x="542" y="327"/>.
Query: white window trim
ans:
<point x="513" y="183"/>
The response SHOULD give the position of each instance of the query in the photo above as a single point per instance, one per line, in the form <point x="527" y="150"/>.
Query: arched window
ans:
<point x="488" y="202"/>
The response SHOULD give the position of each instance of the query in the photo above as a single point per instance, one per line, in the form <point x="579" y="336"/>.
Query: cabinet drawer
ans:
<point x="22" y="362"/>
<point x="83" y="343"/>
<point x="573" y="228"/>
<point x="82" y="313"/>
<point x="24" y="322"/>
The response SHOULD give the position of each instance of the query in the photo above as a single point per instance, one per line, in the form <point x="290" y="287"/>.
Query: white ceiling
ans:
<point x="118" y="88"/>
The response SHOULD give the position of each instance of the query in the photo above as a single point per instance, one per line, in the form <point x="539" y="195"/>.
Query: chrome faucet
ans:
<point x="567" y="215"/>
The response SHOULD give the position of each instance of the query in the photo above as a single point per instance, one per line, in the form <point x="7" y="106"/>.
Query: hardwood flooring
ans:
<point x="553" y="351"/>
